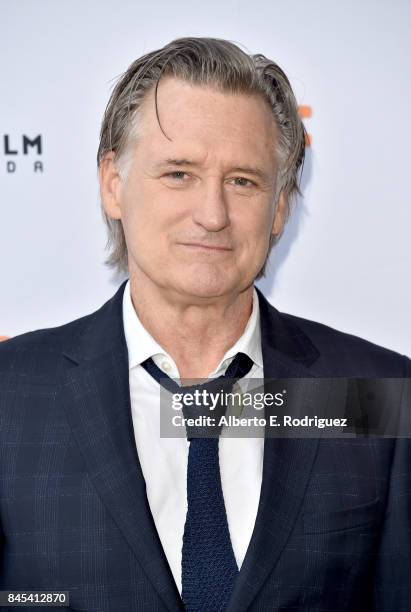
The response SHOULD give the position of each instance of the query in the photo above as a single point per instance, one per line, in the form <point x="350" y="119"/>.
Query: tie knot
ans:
<point x="203" y="414"/>
<point x="239" y="367"/>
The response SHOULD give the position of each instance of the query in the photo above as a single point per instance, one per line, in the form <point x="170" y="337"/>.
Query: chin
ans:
<point x="206" y="283"/>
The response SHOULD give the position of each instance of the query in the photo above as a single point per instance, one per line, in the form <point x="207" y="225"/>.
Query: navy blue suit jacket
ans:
<point x="333" y="525"/>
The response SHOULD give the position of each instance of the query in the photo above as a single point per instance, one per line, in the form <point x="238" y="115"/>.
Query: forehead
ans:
<point x="202" y="119"/>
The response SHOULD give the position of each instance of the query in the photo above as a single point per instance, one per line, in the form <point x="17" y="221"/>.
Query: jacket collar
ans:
<point x="282" y="340"/>
<point x="99" y="333"/>
<point x="287" y="350"/>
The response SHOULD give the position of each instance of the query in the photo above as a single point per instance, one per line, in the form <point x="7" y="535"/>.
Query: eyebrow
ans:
<point x="174" y="162"/>
<point x="251" y="170"/>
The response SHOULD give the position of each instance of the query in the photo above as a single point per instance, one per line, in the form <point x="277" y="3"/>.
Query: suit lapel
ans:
<point x="97" y="400"/>
<point x="287" y="353"/>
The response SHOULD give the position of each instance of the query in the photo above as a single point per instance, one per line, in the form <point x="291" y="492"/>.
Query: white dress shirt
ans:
<point x="164" y="460"/>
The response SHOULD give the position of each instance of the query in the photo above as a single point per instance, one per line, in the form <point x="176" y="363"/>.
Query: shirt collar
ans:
<point x="141" y="344"/>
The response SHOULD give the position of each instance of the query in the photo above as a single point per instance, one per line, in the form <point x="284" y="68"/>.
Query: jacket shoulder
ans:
<point x="37" y="353"/>
<point x="348" y="354"/>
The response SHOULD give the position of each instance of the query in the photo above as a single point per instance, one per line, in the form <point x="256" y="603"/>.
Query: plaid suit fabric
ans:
<point x="333" y="527"/>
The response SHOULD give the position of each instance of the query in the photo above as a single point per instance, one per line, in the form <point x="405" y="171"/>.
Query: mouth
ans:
<point x="205" y="247"/>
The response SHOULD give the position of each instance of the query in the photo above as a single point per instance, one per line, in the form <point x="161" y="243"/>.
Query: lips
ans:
<point x="206" y="247"/>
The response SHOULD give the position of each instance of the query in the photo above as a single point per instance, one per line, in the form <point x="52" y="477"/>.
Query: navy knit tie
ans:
<point x="209" y="568"/>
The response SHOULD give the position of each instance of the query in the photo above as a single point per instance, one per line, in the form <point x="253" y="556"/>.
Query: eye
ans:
<point x="241" y="181"/>
<point x="178" y="175"/>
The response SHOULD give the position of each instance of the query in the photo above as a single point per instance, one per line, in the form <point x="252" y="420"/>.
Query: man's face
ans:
<point x="197" y="207"/>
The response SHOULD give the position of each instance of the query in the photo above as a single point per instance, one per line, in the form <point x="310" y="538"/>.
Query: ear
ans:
<point x="110" y="186"/>
<point x="280" y="215"/>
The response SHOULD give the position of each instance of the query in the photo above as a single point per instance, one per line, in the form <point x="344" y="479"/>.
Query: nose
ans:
<point x="210" y="210"/>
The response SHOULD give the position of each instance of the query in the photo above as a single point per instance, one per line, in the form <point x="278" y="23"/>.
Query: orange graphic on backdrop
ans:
<point x="306" y="112"/>
<point x="2" y="338"/>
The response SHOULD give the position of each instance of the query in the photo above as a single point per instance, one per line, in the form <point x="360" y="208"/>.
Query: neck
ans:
<point x="196" y="332"/>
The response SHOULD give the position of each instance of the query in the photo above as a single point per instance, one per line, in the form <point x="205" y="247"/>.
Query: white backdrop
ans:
<point x="345" y="257"/>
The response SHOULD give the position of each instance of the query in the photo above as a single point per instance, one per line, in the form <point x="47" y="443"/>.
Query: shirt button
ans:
<point x="166" y="366"/>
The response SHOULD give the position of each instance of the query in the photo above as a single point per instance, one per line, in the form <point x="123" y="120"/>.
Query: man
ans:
<point x="200" y="150"/>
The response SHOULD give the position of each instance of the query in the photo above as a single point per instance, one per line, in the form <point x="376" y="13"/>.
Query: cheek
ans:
<point x="255" y="230"/>
<point x="133" y="223"/>
<point x="136" y="226"/>
<point x="147" y="221"/>
<point x="137" y="205"/>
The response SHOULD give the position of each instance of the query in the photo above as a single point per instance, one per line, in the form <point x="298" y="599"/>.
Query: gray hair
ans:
<point x="201" y="61"/>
